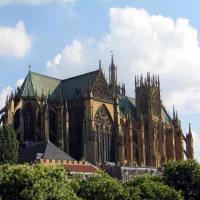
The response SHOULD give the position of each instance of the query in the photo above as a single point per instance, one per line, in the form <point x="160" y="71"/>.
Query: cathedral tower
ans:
<point x="148" y="105"/>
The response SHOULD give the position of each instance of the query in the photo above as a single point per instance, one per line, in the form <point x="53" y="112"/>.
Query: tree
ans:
<point x="102" y="187"/>
<point x="184" y="176"/>
<point x="36" y="182"/>
<point x="150" y="187"/>
<point x="9" y="145"/>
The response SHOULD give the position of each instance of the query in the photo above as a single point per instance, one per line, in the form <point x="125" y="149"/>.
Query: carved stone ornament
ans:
<point x="101" y="89"/>
<point x="103" y="120"/>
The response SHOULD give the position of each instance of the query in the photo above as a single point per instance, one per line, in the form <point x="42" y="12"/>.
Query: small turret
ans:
<point x="147" y="81"/>
<point x="180" y="128"/>
<point x="190" y="131"/>
<point x="189" y="144"/>
<point x="113" y="76"/>
<point x="174" y="115"/>
<point x="100" y="64"/>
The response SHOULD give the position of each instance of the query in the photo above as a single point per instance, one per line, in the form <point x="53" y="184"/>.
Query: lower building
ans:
<point x="48" y="154"/>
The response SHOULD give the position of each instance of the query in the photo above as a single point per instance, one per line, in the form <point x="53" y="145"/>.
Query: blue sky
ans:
<point x="74" y="36"/>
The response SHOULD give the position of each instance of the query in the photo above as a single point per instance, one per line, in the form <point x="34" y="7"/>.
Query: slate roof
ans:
<point x="46" y="149"/>
<point x="126" y="105"/>
<point x="77" y="85"/>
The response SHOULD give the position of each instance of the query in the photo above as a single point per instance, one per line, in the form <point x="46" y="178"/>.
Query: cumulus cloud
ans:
<point x="3" y="94"/>
<point x="72" y="61"/>
<point x="19" y="83"/>
<point x="14" y="41"/>
<point x="7" y="91"/>
<point x="196" y="142"/>
<point x="142" y="42"/>
<point x="36" y="2"/>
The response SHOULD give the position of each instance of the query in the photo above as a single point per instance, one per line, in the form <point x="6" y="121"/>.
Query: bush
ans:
<point x="36" y="182"/>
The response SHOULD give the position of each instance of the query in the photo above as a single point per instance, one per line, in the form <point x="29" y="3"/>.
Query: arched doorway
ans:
<point x="105" y="135"/>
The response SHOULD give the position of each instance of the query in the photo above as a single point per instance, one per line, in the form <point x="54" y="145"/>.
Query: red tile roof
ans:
<point x="80" y="168"/>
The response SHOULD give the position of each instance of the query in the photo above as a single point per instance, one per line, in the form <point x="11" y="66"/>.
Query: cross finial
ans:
<point x="29" y="68"/>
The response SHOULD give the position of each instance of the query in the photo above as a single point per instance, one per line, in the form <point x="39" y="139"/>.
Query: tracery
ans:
<point x="105" y="138"/>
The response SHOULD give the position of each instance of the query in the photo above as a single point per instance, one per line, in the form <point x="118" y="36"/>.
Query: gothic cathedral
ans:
<point x="92" y="118"/>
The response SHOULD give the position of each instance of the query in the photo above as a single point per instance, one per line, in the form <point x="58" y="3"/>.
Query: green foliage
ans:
<point x="36" y="182"/>
<point x="102" y="187"/>
<point x="150" y="187"/>
<point x="180" y="179"/>
<point x="184" y="176"/>
<point x="8" y="145"/>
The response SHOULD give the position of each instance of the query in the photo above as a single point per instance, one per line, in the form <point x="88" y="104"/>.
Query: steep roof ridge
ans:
<point x="99" y="70"/>
<point x="50" y="77"/>
<point x="163" y="108"/>
<point x="27" y="86"/>
<point x="80" y="75"/>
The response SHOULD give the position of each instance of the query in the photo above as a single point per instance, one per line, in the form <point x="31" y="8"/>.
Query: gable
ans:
<point x="101" y="88"/>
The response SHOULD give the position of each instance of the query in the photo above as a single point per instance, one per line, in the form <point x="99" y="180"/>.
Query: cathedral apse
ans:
<point x="91" y="117"/>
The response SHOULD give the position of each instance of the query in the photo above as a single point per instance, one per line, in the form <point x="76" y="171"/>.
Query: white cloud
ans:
<point x="14" y="41"/>
<point x="72" y="60"/>
<point x="187" y="99"/>
<point x="142" y="42"/>
<point x="196" y="142"/>
<point x="3" y="94"/>
<point x="19" y="83"/>
<point x="7" y="92"/>
<point x="36" y="2"/>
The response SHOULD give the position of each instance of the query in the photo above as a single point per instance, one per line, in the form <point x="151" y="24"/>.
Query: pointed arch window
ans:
<point x="155" y="105"/>
<point x="144" y="105"/>
<point x="28" y="122"/>
<point x="105" y="136"/>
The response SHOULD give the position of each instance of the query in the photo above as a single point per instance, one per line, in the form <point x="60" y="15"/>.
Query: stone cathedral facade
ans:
<point x="92" y="118"/>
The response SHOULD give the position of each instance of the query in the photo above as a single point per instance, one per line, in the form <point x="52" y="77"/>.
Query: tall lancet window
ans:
<point x="105" y="136"/>
<point x="28" y="122"/>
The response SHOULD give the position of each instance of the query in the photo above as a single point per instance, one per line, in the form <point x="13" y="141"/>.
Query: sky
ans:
<point x="64" y="38"/>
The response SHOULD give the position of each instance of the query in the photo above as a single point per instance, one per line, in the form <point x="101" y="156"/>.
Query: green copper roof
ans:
<point x="37" y="83"/>
<point x="126" y="105"/>
<point x="40" y="84"/>
<point x="76" y="85"/>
